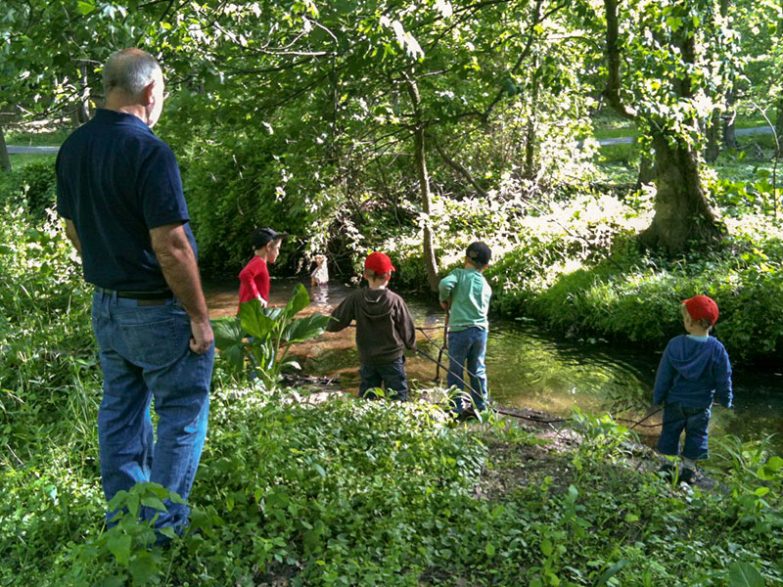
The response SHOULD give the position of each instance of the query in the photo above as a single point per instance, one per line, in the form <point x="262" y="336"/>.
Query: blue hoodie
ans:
<point x="692" y="369"/>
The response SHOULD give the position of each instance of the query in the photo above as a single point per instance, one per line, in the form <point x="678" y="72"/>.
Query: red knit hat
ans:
<point x="702" y="308"/>
<point x="379" y="263"/>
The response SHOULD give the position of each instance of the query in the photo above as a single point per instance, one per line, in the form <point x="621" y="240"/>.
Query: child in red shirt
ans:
<point x="254" y="278"/>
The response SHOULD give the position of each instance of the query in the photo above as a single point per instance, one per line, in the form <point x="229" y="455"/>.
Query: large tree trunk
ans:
<point x="428" y="245"/>
<point x="646" y="169"/>
<point x="682" y="214"/>
<point x="5" y="160"/>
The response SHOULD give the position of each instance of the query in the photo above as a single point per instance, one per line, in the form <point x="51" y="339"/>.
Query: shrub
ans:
<point x="31" y="186"/>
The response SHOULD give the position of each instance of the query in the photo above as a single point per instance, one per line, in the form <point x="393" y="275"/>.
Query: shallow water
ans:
<point x="531" y="369"/>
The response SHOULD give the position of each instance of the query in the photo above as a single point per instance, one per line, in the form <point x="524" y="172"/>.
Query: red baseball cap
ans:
<point x="379" y="262"/>
<point x="702" y="308"/>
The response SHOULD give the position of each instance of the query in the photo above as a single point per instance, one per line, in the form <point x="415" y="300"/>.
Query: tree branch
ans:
<point x="459" y="168"/>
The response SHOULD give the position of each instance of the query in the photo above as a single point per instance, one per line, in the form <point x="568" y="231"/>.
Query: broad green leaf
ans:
<point x="145" y="566"/>
<point x="306" y="328"/>
<point x="253" y="319"/>
<point x="298" y="302"/>
<point x="745" y="575"/>
<point x="120" y="546"/>
<point x="227" y="331"/>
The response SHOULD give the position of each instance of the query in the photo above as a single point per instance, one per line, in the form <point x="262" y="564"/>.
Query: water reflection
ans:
<point x="529" y="369"/>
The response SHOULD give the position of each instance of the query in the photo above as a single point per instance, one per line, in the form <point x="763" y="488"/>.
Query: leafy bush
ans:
<point x="257" y="342"/>
<point x="31" y="186"/>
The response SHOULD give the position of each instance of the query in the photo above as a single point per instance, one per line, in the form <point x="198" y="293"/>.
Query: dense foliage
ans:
<point x="344" y="492"/>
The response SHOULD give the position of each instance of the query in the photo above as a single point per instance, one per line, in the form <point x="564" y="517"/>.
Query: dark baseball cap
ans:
<point x="479" y="253"/>
<point x="262" y="236"/>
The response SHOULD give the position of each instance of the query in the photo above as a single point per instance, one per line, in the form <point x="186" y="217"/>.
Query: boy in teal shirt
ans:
<point x="465" y="294"/>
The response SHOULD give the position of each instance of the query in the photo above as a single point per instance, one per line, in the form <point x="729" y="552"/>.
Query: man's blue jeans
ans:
<point x="468" y="345"/>
<point x="145" y="354"/>
<point x="391" y="374"/>
<point x="694" y="421"/>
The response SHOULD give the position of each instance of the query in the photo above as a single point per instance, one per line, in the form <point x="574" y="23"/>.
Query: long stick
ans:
<point x="539" y="420"/>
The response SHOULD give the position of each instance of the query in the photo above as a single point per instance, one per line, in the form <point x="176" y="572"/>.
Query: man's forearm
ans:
<point x="180" y="269"/>
<point x="73" y="236"/>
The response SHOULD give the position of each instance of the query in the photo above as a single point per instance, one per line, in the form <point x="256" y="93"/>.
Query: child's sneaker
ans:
<point x="688" y="475"/>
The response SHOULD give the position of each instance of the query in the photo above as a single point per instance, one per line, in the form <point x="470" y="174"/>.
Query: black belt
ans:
<point x="160" y="294"/>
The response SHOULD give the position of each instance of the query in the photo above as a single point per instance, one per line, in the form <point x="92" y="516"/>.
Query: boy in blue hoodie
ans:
<point x="694" y="369"/>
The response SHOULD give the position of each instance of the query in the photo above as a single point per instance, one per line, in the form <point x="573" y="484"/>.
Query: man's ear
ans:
<point x="147" y="94"/>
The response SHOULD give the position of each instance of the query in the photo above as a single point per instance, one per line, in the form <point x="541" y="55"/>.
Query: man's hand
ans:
<point x="445" y="305"/>
<point x="202" y="336"/>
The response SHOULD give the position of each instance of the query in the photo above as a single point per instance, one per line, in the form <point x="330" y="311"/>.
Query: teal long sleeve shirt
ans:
<point x="468" y="294"/>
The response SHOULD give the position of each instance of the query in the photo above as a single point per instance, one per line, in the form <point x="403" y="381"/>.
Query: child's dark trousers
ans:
<point x="392" y="375"/>
<point x="694" y="422"/>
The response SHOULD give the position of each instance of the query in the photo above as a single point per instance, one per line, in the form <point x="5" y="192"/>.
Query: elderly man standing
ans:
<point x="120" y="193"/>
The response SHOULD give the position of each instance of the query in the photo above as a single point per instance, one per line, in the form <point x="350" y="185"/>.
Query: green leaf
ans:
<point x="253" y="319"/>
<point x="611" y="572"/>
<point x="745" y="575"/>
<point x="84" y="8"/>
<point x="298" y="302"/>
<point x="154" y="503"/>
<point x="112" y="581"/>
<point x="306" y="328"/>
<point x="546" y="548"/>
<point x="490" y="549"/>
<point x="120" y="546"/>
<point x="133" y="504"/>
<point x="227" y="331"/>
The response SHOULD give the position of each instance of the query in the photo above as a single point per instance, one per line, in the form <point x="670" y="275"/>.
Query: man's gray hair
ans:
<point x="129" y="70"/>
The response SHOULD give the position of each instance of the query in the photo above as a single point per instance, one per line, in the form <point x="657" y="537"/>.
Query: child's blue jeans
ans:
<point x="694" y="421"/>
<point x="391" y="374"/>
<point x="469" y="345"/>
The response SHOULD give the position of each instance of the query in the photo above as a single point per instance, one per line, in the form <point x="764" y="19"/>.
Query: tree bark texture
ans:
<point x="420" y="157"/>
<point x="682" y="214"/>
<point x="647" y="170"/>
<point x="5" y="160"/>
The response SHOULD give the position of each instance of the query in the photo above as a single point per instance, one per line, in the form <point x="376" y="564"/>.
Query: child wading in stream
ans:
<point x="254" y="283"/>
<point x="384" y="329"/>
<point x="693" y="370"/>
<point x="465" y="294"/>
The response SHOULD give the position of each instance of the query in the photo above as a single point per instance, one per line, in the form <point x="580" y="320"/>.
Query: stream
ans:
<point x="530" y="368"/>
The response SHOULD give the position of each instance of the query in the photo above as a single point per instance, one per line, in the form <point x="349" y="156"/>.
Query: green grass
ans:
<point x="37" y="139"/>
<point x="20" y="160"/>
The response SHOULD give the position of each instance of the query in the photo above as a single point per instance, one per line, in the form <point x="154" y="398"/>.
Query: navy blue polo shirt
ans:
<point x="116" y="180"/>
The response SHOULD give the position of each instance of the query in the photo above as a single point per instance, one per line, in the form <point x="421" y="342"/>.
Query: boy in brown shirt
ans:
<point x="384" y="329"/>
